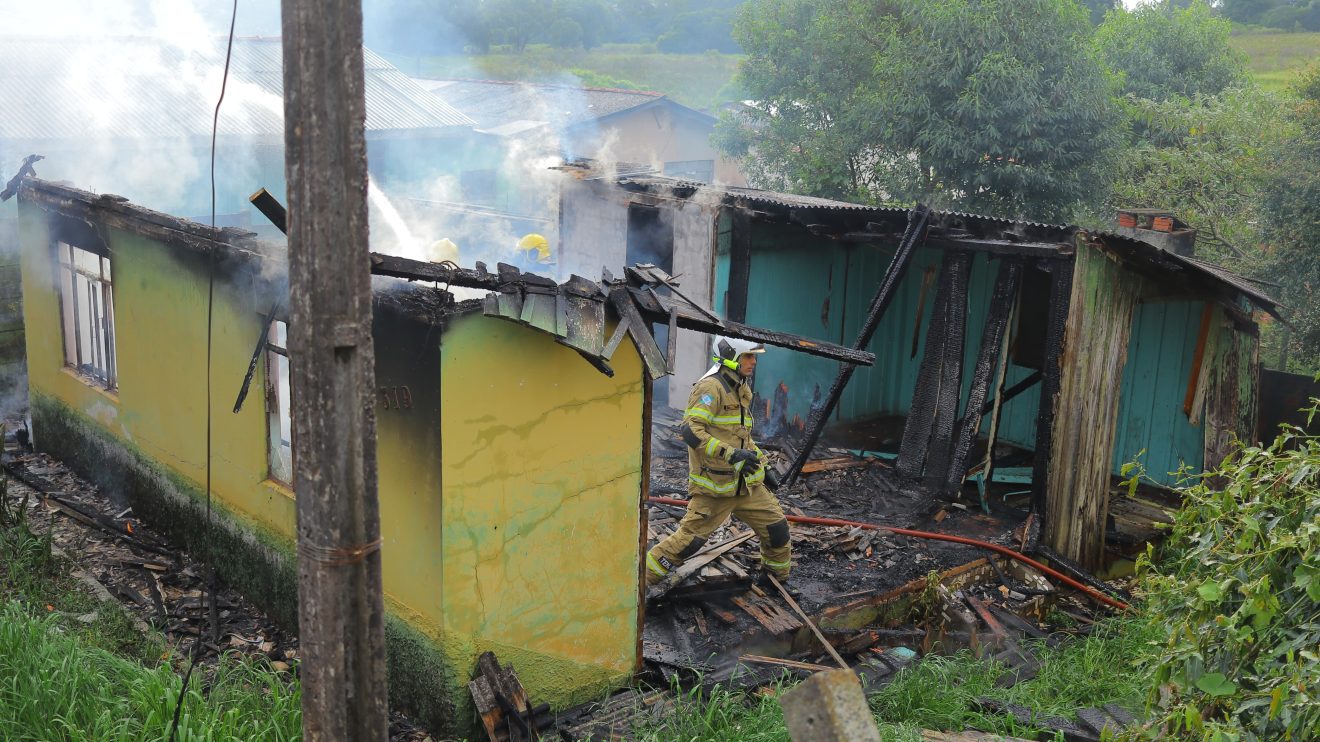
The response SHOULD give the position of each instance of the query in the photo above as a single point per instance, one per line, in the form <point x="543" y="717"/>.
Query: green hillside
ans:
<point x="1275" y="58"/>
<point x="697" y="80"/>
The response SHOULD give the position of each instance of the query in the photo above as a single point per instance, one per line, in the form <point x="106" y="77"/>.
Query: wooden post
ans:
<point x="332" y="367"/>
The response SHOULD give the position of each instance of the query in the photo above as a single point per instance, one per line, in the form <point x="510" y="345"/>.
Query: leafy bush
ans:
<point x="1238" y="592"/>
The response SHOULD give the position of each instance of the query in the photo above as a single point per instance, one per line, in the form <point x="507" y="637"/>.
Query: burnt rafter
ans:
<point x="992" y="341"/>
<point x="926" y="398"/>
<point x="574" y="311"/>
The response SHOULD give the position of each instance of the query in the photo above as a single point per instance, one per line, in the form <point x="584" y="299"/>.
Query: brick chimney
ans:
<point x="1159" y="228"/>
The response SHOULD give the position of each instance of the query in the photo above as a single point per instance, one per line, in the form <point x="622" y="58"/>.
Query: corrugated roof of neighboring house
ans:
<point x="498" y="103"/>
<point x="1156" y="257"/>
<point x="61" y="88"/>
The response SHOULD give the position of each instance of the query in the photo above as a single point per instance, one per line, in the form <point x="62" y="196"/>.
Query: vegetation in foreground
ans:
<point x="1236" y="595"/>
<point x="938" y="692"/>
<point x="74" y="668"/>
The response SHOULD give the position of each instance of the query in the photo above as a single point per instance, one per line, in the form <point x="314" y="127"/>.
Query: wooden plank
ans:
<point x="695" y="563"/>
<point x="809" y="667"/>
<point x="652" y="357"/>
<point x="940" y="451"/>
<point x="835" y="464"/>
<point x="921" y="413"/>
<point x="996" y="324"/>
<point x="1077" y="447"/>
<point x="1198" y="357"/>
<point x="917" y="219"/>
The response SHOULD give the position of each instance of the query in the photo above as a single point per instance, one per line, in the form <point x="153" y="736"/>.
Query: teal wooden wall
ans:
<point x="822" y="288"/>
<point x="1150" y="406"/>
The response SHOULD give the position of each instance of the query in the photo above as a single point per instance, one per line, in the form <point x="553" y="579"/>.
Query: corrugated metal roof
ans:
<point x="1151" y="254"/>
<point x="57" y="88"/>
<point x="494" y="103"/>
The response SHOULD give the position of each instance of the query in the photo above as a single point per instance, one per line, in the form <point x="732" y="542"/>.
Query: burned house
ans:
<point x="1047" y="356"/>
<point x="512" y="431"/>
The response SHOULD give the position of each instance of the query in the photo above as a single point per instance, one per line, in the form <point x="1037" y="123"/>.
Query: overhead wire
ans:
<point x="208" y="592"/>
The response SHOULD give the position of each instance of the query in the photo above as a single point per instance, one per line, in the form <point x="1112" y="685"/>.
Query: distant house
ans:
<point x="608" y="124"/>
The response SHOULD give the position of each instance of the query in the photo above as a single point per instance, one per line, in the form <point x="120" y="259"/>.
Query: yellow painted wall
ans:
<point x="408" y="466"/>
<point x="159" y="408"/>
<point x="542" y="472"/>
<point x="532" y="551"/>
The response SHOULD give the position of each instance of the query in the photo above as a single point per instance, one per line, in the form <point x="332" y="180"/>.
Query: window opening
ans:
<point x="87" y="309"/>
<point x="278" y="399"/>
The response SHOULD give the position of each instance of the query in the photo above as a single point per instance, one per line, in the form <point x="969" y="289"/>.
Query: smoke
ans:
<point x="127" y="92"/>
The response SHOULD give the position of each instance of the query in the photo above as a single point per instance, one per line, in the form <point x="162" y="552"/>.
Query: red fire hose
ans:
<point x="1065" y="579"/>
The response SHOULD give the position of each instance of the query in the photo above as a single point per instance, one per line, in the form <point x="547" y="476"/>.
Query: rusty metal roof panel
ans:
<point x="56" y="88"/>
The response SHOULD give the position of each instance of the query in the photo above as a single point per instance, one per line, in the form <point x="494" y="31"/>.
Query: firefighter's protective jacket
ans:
<point x="717" y="422"/>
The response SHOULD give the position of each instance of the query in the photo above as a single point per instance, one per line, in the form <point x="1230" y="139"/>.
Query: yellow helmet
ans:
<point x="442" y="250"/>
<point x="534" y="241"/>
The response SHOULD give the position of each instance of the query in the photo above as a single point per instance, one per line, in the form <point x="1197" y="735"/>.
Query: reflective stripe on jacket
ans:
<point x="718" y="421"/>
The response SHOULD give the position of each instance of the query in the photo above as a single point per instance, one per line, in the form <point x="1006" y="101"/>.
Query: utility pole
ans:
<point x="332" y="368"/>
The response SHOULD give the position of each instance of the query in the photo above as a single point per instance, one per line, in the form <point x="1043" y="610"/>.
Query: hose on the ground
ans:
<point x="1055" y="574"/>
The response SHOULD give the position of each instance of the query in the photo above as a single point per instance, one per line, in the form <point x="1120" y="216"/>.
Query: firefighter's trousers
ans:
<point x="759" y="509"/>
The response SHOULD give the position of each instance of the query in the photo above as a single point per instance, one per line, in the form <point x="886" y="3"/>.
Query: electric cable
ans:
<point x="1059" y="576"/>
<point x="208" y="589"/>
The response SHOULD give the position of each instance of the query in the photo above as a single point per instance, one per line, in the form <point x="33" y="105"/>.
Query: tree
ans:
<point x="1210" y="161"/>
<point x="1291" y="214"/>
<point x="1098" y="8"/>
<point x="988" y="105"/>
<point x="1162" y="51"/>
<point x="515" y="22"/>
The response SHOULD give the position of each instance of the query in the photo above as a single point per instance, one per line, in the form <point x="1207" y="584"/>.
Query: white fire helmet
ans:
<point x="725" y="351"/>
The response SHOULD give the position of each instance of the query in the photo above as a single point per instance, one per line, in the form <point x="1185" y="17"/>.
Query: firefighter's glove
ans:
<point x="742" y="455"/>
<point x="771" y="480"/>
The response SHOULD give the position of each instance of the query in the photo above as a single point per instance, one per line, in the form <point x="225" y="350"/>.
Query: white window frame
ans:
<point x="279" y="401"/>
<point x="87" y="314"/>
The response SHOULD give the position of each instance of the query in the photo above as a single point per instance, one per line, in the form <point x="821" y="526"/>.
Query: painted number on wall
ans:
<point x="396" y="398"/>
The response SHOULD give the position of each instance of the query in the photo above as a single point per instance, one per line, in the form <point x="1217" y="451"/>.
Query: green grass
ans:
<point x="701" y="81"/>
<point x="30" y="573"/>
<point x="55" y="687"/>
<point x="1274" y="59"/>
<point x="939" y="691"/>
<point x="75" y="668"/>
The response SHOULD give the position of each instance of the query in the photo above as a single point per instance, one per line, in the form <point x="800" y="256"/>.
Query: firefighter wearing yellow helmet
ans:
<point x="726" y="469"/>
<point x="535" y="249"/>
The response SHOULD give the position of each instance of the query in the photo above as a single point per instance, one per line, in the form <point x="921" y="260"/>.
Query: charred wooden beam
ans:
<point x="1060" y="298"/>
<point x="690" y="319"/>
<point x="884" y="294"/>
<point x="939" y="454"/>
<point x="927" y="397"/>
<point x="996" y="323"/>
<point x="652" y="356"/>
<point x="271" y="208"/>
<point x="1013" y="391"/>
<point x="419" y="270"/>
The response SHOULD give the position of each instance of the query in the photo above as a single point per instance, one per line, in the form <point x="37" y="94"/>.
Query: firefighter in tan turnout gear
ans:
<point x="726" y="473"/>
